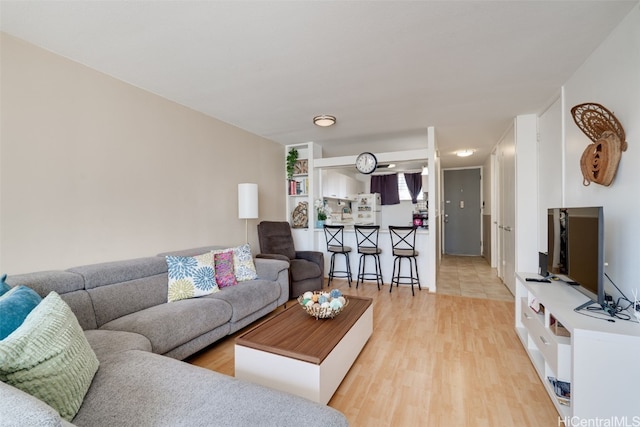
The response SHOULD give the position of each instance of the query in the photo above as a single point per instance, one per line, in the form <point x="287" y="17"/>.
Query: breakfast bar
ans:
<point x="386" y="257"/>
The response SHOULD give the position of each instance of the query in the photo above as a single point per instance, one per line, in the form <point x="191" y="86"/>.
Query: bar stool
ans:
<point x="367" y="238"/>
<point x="403" y="243"/>
<point x="334" y="234"/>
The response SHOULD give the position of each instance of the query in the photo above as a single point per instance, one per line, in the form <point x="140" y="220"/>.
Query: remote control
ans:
<point x="533" y="279"/>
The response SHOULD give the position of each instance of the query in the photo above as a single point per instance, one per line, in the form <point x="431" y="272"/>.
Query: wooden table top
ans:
<point x="294" y="333"/>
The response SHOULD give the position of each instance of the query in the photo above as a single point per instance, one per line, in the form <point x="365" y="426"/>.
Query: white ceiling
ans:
<point x="386" y="69"/>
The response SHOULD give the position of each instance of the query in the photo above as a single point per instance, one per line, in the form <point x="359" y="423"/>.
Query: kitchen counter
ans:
<point x="386" y="257"/>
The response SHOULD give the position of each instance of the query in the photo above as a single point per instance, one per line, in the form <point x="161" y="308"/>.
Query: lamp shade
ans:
<point x="247" y="201"/>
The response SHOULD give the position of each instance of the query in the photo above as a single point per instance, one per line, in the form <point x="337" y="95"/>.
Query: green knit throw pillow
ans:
<point x="49" y="357"/>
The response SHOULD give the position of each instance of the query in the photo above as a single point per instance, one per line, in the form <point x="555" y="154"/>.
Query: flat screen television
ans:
<point x="576" y="250"/>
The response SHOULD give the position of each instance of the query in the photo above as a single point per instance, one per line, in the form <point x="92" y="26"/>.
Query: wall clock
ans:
<point x="366" y="163"/>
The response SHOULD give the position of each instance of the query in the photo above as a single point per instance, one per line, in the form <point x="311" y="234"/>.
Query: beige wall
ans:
<point x="93" y="169"/>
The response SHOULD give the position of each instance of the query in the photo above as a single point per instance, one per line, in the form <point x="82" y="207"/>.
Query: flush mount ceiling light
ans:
<point x="464" y="153"/>
<point x="324" y="120"/>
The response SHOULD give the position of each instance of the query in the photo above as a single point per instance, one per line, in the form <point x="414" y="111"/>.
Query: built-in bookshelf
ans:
<point x="301" y="190"/>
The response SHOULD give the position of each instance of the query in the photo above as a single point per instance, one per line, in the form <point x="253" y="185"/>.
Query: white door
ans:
<point x="507" y="214"/>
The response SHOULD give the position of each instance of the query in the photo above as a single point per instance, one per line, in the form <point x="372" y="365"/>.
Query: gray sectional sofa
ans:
<point x="137" y="335"/>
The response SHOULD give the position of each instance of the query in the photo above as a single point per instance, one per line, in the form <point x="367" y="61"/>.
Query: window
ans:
<point x="404" y="191"/>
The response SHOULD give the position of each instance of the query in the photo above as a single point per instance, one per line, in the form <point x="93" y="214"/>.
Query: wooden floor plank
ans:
<point x="435" y="359"/>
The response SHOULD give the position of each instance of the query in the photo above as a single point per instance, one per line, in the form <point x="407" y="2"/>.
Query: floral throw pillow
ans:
<point x="243" y="266"/>
<point x="191" y="277"/>
<point x="223" y="261"/>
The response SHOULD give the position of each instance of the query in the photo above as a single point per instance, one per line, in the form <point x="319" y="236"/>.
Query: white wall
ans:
<point x="94" y="169"/>
<point x="400" y="214"/>
<point x="611" y="77"/>
<point x="550" y="167"/>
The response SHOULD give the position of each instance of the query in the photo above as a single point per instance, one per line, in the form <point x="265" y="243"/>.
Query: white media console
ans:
<point x="600" y="359"/>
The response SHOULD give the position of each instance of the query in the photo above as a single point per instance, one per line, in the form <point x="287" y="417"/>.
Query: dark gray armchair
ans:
<point x="306" y="268"/>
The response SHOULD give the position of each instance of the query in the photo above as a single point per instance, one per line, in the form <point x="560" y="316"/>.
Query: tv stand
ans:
<point x="581" y="353"/>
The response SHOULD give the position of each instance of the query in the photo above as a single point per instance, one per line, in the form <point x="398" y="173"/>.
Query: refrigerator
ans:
<point x="367" y="209"/>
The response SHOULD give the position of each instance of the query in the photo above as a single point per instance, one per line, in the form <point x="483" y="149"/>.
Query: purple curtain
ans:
<point x="414" y="184"/>
<point x="387" y="186"/>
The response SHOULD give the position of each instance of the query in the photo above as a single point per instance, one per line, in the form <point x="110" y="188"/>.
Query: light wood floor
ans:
<point x="435" y="359"/>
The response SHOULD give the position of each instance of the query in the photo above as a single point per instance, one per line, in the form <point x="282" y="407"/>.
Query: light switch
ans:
<point x="461" y="204"/>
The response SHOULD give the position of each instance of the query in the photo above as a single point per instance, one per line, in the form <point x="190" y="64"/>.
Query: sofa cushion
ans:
<point x="190" y="277"/>
<point x="248" y="297"/>
<point x="144" y="389"/>
<point x="15" y="306"/>
<point x="20" y="409"/>
<point x="49" y="357"/>
<point x="70" y="287"/>
<point x="223" y="261"/>
<point x="106" y="343"/>
<point x="120" y="299"/>
<point x="169" y="325"/>
<point x="44" y="282"/>
<point x="302" y="269"/>
<point x="82" y="306"/>
<point x="107" y="273"/>
<point x="243" y="266"/>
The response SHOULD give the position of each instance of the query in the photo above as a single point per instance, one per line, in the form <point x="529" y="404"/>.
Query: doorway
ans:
<point x="462" y="212"/>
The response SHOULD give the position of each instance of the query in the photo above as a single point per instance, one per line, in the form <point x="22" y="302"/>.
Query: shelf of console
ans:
<point x="597" y="351"/>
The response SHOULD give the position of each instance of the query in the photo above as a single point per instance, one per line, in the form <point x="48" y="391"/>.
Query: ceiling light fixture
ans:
<point x="425" y="171"/>
<point x="324" y="120"/>
<point x="464" y="153"/>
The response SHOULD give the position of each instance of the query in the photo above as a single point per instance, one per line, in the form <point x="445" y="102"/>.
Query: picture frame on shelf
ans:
<point x="301" y="167"/>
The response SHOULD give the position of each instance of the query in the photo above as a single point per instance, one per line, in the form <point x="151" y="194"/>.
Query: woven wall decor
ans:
<point x="599" y="161"/>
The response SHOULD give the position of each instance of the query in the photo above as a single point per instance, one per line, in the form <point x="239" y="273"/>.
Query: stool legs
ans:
<point x="411" y="279"/>
<point x="332" y="272"/>
<point x="362" y="268"/>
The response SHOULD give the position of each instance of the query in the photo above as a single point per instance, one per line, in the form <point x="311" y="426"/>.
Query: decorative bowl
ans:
<point x="323" y="304"/>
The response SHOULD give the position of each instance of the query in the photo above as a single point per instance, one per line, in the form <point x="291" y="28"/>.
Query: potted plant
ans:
<point x="322" y="212"/>
<point x="292" y="157"/>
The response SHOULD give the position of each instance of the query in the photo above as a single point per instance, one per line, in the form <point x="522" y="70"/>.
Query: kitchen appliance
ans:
<point x="367" y="209"/>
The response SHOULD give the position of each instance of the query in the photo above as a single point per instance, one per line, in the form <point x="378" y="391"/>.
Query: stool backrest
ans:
<point x="367" y="235"/>
<point x="403" y="237"/>
<point x="334" y="236"/>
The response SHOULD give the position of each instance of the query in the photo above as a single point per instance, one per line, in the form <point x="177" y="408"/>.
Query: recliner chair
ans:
<point x="306" y="268"/>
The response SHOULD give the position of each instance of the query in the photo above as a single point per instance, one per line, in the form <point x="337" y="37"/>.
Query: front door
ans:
<point x="462" y="213"/>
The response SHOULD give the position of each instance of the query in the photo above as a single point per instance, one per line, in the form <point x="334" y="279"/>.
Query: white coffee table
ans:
<point x="296" y="353"/>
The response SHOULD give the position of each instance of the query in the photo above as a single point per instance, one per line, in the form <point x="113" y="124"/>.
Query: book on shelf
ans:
<point x="562" y="390"/>
<point x="298" y="187"/>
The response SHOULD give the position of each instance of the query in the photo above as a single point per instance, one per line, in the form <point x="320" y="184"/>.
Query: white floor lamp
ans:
<point x="247" y="204"/>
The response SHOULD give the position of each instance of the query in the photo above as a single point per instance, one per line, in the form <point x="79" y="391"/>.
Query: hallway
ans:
<point x="470" y="276"/>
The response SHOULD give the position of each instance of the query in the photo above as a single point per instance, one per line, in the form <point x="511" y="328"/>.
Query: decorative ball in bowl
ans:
<point x="323" y="304"/>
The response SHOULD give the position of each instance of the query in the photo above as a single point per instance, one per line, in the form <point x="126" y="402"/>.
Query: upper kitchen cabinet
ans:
<point x="340" y="185"/>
